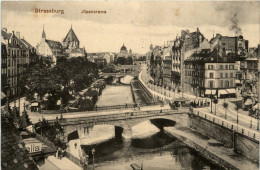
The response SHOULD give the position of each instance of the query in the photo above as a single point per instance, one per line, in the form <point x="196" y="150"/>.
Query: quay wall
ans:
<point x="241" y="143"/>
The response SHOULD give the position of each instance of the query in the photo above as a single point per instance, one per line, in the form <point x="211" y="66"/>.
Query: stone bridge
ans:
<point x="124" y="122"/>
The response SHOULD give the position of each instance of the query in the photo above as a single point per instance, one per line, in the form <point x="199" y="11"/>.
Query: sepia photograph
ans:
<point x="130" y="85"/>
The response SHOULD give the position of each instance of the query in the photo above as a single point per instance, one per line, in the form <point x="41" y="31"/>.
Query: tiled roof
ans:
<point x="71" y="36"/>
<point x="14" y="155"/>
<point x="26" y="42"/>
<point x="78" y="50"/>
<point x="205" y="56"/>
<point x="54" y="44"/>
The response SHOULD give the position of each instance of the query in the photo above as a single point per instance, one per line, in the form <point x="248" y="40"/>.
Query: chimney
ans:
<point x="198" y="30"/>
<point x="17" y="34"/>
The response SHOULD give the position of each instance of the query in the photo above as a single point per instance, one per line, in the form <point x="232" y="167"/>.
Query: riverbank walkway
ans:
<point x="203" y="145"/>
<point x="63" y="164"/>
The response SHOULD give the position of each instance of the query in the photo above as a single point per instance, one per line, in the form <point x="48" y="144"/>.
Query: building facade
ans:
<point x="15" y="61"/>
<point x="209" y="73"/>
<point x="184" y="46"/>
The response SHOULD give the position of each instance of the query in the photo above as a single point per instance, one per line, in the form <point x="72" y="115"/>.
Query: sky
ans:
<point x="136" y="24"/>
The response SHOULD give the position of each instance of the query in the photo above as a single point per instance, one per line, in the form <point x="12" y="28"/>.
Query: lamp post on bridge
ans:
<point x="93" y="153"/>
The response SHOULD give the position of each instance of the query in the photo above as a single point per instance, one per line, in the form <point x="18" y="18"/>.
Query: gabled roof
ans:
<point x="26" y="43"/>
<point x="14" y="154"/>
<point x="71" y="36"/>
<point x="54" y="44"/>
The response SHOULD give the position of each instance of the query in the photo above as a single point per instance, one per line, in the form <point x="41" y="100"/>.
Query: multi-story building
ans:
<point x="4" y="67"/>
<point x="209" y="73"/>
<point x="184" y="46"/>
<point x="250" y="74"/>
<point x="16" y="62"/>
<point x="167" y="65"/>
<point x="237" y="45"/>
<point x="156" y="64"/>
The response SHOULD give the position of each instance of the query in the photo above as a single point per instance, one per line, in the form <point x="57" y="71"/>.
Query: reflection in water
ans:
<point x="143" y="148"/>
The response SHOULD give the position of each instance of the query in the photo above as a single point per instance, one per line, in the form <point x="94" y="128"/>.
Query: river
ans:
<point x="149" y="146"/>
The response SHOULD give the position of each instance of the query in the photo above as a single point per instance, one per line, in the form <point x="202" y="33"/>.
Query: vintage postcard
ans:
<point x="130" y="85"/>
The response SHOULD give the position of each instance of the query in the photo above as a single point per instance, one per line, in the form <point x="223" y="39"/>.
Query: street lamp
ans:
<point x="93" y="153"/>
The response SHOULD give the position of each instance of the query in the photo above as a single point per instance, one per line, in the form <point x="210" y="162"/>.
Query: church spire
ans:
<point x="43" y="33"/>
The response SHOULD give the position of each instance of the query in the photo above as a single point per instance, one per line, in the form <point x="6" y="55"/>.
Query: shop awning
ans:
<point x="249" y="101"/>
<point x="222" y="92"/>
<point x="209" y="91"/>
<point x="238" y="82"/>
<point x="231" y="91"/>
<point x="34" y="104"/>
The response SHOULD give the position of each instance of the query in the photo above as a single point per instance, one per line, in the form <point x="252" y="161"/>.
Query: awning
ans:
<point x="222" y="92"/>
<point x="238" y="82"/>
<point x="210" y="91"/>
<point x="34" y="104"/>
<point x="249" y="102"/>
<point x="231" y="91"/>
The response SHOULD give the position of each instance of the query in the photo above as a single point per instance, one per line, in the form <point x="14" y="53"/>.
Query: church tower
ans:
<point x="43" y="34"/>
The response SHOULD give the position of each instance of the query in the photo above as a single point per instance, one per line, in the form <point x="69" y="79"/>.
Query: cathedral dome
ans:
<point x="123" y="48"/>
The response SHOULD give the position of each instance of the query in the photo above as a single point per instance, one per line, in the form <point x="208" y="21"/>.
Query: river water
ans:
<point x="149" y="146"/>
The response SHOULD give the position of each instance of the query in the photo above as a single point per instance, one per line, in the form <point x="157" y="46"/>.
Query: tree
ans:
<point x="225" y="105"/>
<point x="109" y="68"/>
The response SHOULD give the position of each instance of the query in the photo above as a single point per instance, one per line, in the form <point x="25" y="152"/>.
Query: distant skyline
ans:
<point x="136" y="24"/>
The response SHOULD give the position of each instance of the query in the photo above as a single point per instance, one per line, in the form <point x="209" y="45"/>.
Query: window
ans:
<point x="221" y="75"/>
<point x="212" y="67"/>
<point x="8" y="73"/>
<point x="221" y="67"/>
<point x="227" y="83"/>
<point x="211" y="75"/>
<point x="8" y="62"/>
<point x="211" y="84"/>
<point x="226" y="75"/>
<point x="221" y="83"/>
<point x="231" y="75"/>
<point x="231" y="83"/>
<point x="208" y="67"/>
<point x="226" y="67"/>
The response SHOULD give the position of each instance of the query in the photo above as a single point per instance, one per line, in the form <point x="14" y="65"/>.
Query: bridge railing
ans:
<point x="125" y="115"/>
<point x="229" y="125"/>
<point x="125" y="106"/>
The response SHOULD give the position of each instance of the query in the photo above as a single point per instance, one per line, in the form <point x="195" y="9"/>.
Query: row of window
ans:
<point x="17" y="52"/>
<point x="211" y="75"/>
<point x="222" y="84"/>
<point x="12" y="72"/>
<point x="222" y="67"/>
<point x="12" y="62"/>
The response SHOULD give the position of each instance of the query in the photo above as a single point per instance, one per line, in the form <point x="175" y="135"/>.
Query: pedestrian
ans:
<point x="59" y="153"/>
<point x="62" y="153"/>
<point x="126" y="105"/>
